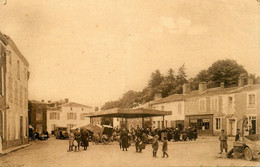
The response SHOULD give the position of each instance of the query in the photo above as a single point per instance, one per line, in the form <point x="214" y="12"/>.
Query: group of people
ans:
<point x="77" y="138"/>
<point x="140" y="139"/>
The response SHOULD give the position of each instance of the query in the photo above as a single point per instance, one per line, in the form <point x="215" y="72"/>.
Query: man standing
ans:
<point x="77" y="135"/>
<point x="223" y="141"/>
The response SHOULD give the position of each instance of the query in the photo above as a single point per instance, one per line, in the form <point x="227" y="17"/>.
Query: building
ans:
<point x="68" y="114"/>
<point x="38" y="115"/>
<point x="174" y="103"/>
<point x="211" y="110"/>
<point x="13" y="94"/>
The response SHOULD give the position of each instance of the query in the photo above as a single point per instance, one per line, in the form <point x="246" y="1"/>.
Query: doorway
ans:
<point x="231" y="127"/>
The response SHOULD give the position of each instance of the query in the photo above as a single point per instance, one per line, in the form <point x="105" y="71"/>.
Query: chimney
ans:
<point x="66" y="100"/>
<point x="157" y="96"/>
<point x="222" y="85"/>
<point x="202" y="87"/>
<point x="241" y="81"/>
<point x="250" y="80"/>
<point x="185" y="88"/>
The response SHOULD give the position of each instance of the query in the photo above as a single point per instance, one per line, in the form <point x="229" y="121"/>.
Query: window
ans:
<point x="38" y="116"/>
<point x="16" y="93"/>
<point x="218" y="123"/>
<point x="179" y="108"/>
<point x="202" y="104"/>
<point x="83" y="116"/>
<point x="230" y="102"/>
<point x="166" y="124"/>
<point x="214" y="104"/>
<point x="10" y="85"/>
<point x="82" y="109"/>
<point x="54" y="115"/>
<point x="251" y="100"/>
<point x="162" y="108"/>
<point x="71" y="108"/>
<point x="158" y="124"/>
<point x="200" y="124"/>
<point x="2" y="87"/>
<point x="71" y="116"/>
<point x="154" y="122"/>
<point x="18" y="69"/>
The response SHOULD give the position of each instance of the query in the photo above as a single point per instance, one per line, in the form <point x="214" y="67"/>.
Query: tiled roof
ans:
<point x="246" y="88"/>
<point x="208" y="92"/>
<point x="73" y="104"/>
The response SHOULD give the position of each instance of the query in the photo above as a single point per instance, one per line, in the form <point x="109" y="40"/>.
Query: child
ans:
<point x="165" y="147"/>
<point x="155" y="145"/>
<point x="75" y="144"/>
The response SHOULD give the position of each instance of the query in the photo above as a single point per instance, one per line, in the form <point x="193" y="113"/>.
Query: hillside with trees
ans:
<point x="226" y="71"/>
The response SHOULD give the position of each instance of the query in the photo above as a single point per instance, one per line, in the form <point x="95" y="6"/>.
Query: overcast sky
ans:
<point x="93" y="51"/>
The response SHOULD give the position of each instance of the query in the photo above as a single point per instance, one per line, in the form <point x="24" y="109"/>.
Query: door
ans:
<point x="232" y="127"/>
<point x="21" y="129"/>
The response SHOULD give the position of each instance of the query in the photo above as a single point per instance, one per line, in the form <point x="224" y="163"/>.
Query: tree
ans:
<point x="111" y="104"/>
<point x="181" y="79"/>
<point x="226" y="71"/>
<point x="168" y="84"/>
<point x="156" y="79"/>
<point x="130" y="99"/>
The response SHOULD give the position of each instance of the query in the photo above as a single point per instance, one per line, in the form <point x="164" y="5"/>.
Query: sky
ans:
<point x="93" y="51"/>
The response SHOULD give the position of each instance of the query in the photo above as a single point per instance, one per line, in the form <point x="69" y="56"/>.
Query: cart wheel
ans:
<point x="248" y="154"/>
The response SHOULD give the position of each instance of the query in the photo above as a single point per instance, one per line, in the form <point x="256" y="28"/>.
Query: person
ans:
<point x="195" y="133"/>
<point x="71" y="140"/>
<point x="84" y="138"/>
<point x="124" y="139"/>
<point x="104" y="138"/>
<point x="138" y="144"/>
<point x="223" y="141"/>
<point x="165" y="147"/>
<point x="155" y="145"/>
<point x="237" y="135"/>
<point x="77" y="135"/>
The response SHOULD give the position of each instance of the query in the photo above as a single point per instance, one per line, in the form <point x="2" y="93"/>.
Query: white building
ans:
<point x="14" y="77"/>
<point x="68" y="115"/>
<point x="174" y="103"/>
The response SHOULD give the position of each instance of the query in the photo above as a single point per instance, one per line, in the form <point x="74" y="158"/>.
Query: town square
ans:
<point x="129" y="83"/>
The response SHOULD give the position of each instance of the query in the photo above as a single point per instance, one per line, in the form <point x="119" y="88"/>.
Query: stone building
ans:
<point x="211" y="110"/>
<point x="38" y="115"/>
<point x="13" y="94"/>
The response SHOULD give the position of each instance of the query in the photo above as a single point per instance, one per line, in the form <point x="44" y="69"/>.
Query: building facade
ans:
<point x="67" y="115"/>
<point x="211" y="110"/>
<point x="14" y="94"/>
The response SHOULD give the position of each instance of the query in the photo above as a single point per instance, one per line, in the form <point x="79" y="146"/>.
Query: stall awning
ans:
<point x="129" y="113"/>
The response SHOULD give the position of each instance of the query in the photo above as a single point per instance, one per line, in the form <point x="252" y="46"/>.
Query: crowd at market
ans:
<point x="141" y="137"/>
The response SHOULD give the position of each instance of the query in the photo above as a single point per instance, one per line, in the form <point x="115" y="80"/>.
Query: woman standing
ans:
<point x="84" y="138"/>
<point x="124" y="139"/>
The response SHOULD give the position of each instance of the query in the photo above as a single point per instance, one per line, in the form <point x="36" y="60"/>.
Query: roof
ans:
<point x="208" y="92"/>
<point x="171" y="98"/>
<point x="129" y="113"/>
<point x="7" y="40"/>
<point x="246" y="88"/>
<point x="73" y="104"/>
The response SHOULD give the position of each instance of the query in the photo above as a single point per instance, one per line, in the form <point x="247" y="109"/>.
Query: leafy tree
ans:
<point x="111" y="104"/>
<point x="226" y="71"/>
<point x="181" y="78"/>
<point x="156" y="79"/>
<point x="130" y="99"/>
<point x="168" y="84"/>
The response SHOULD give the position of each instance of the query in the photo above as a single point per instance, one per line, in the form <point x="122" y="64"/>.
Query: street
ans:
<point x="53" y="153"/>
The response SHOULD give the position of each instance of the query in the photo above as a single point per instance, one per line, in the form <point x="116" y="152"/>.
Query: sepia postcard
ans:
<point x="138" y="83"/>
